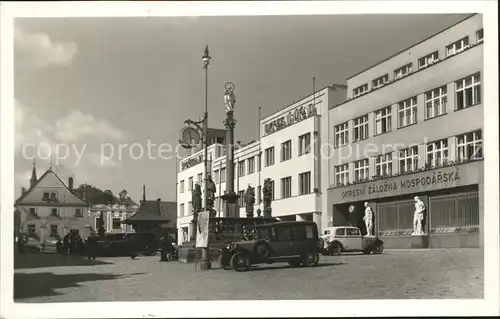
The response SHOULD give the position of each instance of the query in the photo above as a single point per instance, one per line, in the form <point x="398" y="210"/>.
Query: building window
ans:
<point x="117" y="223"/>
<point x="341" y="134"/>
<point x="428" y="60"/>
<point x="32" y="210"/>
<point x="216" y="176"/>
<point x="270" y="156"/>
<point x="31" y="230"/>
<point x="78" y="212"/>
<point x="360" y="128"/>
<point x="468" y="91"/>
<point x="53" y="231"/>
<point x="435" y="102"/>
<point x="190" y="208"/>
<point x="199" y="178"/>
<point x="223" y="175"/>
<point x="402" y="71"/>
<point x="46" y="196"/>
<point x="190" y="184"/>
<point x="469" y="146"/>
<point x="53" y="196"/>
<point x="383" y="165"/>
<point x="305" y="183"/>
<point x="360" y="90"/>
<point x="304" y="144"/>
<point x="437" y="152"/>
<point x="259" y="162"/>
<point x="378" y="82"/>
<point x="407" y="111"/>
<point x="361" y="170"/>
<point x="241" y="168"/>
<point x="54" y="212"/>
<point x="286" y="150"/>
<point x="181" y="186"/>
<point x="181" y="210"/>
<point x="480" y="35"/>
<point x="383" y="119"/>
<point x="457" y="46"/>
<point x="241" y="198"/>
<point x="286" y="187"/>
<point x="408" y="159"/>
<point x="251" y="165"/>
<point x="341" y="175"/>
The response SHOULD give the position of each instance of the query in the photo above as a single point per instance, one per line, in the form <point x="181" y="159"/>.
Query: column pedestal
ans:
<point x="231" y="202"/>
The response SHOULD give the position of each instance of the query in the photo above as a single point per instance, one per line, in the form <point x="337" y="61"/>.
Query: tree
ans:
<point x="122" y="196"/>
<point x="95" y="195"/>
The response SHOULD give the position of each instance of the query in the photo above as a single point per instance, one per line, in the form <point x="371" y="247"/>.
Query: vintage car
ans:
<point x="127" y="244"/>
<point x="349" y="239"/>
<point x="294" y="242"/>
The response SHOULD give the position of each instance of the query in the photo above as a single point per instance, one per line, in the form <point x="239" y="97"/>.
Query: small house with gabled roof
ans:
<point x="51" y="209"/>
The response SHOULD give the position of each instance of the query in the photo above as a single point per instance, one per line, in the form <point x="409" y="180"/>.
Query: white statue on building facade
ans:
<point x="418" y="217"/>
<point x="368" y="219"/>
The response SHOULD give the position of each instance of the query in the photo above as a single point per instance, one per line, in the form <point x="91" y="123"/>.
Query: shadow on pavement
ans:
<point x="44" y="284"/>
<point x="286" y="266"/>
<point x="27" y="260"/>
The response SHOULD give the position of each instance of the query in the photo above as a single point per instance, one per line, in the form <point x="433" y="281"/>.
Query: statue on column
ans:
<point x="196" y="199"/>
<point x="211" y="191"/>
<point x="249" y="200"/>
<point x="368" y="219"/>
<point x="229" y="97"/>
<point x="267" y="192"/>
<point x="418" y="217"/>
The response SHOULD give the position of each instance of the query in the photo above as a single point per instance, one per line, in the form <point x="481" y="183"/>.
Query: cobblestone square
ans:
<point x="393" y="275"/>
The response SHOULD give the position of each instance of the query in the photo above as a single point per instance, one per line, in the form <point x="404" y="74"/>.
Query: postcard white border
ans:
<point x="179" y="309"/>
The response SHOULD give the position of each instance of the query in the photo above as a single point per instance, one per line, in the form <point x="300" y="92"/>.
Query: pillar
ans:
<point x="317" y="220"/>
<point x="230" y="197"/>
<point x="452" y="149"/>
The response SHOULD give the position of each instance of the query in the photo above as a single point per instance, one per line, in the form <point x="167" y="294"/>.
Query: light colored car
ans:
<point x="349" y="239"/>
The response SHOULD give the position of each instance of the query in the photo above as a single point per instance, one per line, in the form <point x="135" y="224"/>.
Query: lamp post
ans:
<point x="206" y="264"/>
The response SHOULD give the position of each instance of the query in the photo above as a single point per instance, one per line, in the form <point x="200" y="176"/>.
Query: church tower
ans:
<point x="33" y="178"/>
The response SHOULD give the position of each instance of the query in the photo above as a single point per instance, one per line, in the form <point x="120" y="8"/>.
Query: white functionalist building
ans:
<point x="292" y="149"/>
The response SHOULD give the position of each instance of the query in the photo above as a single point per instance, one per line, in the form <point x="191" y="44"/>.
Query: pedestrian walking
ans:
<point x="163" y="249"/>
<point x="66" y="244"/>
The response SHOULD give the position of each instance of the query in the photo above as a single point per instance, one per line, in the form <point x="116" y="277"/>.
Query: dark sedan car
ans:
<point x="127" y="244"/>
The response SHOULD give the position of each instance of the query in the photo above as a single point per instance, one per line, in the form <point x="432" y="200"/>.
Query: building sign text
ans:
<point x="299" y="114"/>
<point x="191" y="162"/>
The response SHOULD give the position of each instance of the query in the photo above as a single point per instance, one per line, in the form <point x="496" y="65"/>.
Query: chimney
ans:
<point x="70" y="184"/>
<point x="23" y="190"/>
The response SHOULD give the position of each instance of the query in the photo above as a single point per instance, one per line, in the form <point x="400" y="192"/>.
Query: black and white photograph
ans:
<point x="249" y="159"/>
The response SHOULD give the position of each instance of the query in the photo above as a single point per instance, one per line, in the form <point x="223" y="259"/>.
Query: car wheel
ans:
<point x="240" y="262"/>
<point x="311" y="259"/>
<point x="262" y="249"/>
<point x="224" y="261"/>
<point x="378" y="249"/>
<point x="294" y="262"/>
<point x="335" y="249"/>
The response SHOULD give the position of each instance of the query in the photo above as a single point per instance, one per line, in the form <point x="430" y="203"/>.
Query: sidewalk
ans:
<point x="427" y="249"/>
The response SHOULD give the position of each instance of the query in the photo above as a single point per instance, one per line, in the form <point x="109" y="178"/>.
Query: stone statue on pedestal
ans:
<point x="196" y="199"/>
<point x="249" y="201"/>
<point x="418" y="217"/>
<point x="368" y="219"/>
<point x="267" y="192"/>
<point x="229" y="97"/>
<point x="211" y="191"/>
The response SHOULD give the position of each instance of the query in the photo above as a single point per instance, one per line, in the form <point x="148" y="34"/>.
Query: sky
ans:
<point x="96" y="85"/>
